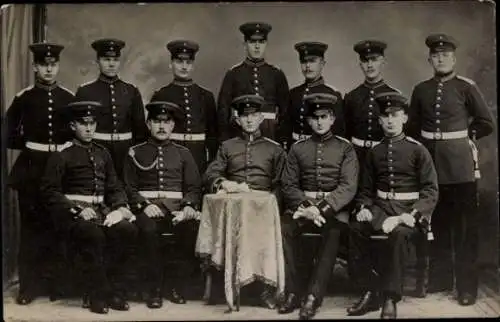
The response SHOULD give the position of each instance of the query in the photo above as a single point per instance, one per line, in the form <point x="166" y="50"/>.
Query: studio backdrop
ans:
<point x="403" y="25"/>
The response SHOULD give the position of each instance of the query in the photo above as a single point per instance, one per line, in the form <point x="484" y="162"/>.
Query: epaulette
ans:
<point x="131" y="150"/>
<point x="177" y="145"/>
<point x="272" y="141"/>
<point x="203" y="88"/>
<point x="21" y="92"/>
<point x="236" y="65"/>
<point x="343" y="139"/>
<point x="67" y="90"/>
<point x="299" y="141"/>
<point x="467" y="80"/>
<point x="395" y="89"/>
<point x="333" y="87"/>
<point x="410" y="139"/>
<point x="86" y="83"/>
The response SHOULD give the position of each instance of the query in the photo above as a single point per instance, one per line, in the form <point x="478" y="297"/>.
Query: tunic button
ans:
<point x="188" y="115"/>
<point x="160" y="159"/>
<point x="50" y="116"/>
<point x="307" y="89"/>
<point x="371" y="99"/>
<point x="301" y="117"/>
<point x="440" y="84"/>
<point x="392" y="183"/>
<point x="188" y="122"/>
<point x="369" y="128"/>
<point x="391" y="168"/>
<point x="302" y="109"/>
<point x="390" y="160"/>
<point x="111" y="86"/>
<point x="161" y="187"/>
<point x="390" y="145"/>
<point x="255" y="69"/>
<point x="319" y="151"/>
<point x="438" y="113"/>
<point x="160" y="152"/>
<point x="114" y="114"/>
<point x="370" y="113"/>
<point x="186" y="101"/>
<point x="256" y="81"/>
<point x="50" y="109"/>
<point x="50" y="124"/>
<point x="370" y="106"/>
<point x="161" y="179"/>
<point x="391" y="175"/>
<point x="369" y="120"/>
<point x="50" y="94"/>
<point x="438" y="106"/>
<point x="50" y="140"/>
<point x="51" y="101"/>
<point x="256" y="89"/>
<point x="369" y="136"/>
<point x="112" y="92"/>
<point x="162" y="165"/>
<point x="114" y="107"/>
<point x="185" y="94"/>
<point x="50" y="132"/>
<point x="319" y="159"/>
<point x="438" y="121"/>
<point x="301" y="124"/>
<point x="185" y="89"/>
<point x="114" y="130"/>
<point x="439" y="91"/>
<point x="438" y="98"/>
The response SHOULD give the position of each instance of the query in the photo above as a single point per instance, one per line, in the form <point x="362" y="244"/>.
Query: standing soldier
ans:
<point x="312" y="62"/>
<point x="86" y="199"/>
<point x="35" y="125"/>
<point x="320" y="178"/>
<point x="255" y="76"/>
<point x="361" y="112"/>
<point x="120" y="120"/>
<point x="448" y="113"/>
<point x="198" y="130"/>
<point x="164" y="189"/>
<point x="398" y="193"/>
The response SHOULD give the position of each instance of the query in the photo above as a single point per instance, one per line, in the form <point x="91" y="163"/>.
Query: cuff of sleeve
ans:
<point x="325" y="208"/>
<point x="217" y="184"/>
<point x="76" y="210"/>
<point x="185" y="203"/>
<point x="306" y="203"/>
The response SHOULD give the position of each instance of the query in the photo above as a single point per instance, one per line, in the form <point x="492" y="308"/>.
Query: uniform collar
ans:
<point x="323" y="137"/>
<point x="108" y="80"/>
<point x="374" y="85"/>
<point x="318" y="81"/>
<point x="158" y="143"/>
<point x="250" y="137"/>
<point x="81" y="144"/>
<point x="254" y="62"/>
<point x="45" y="86"/>
<point x="397" y="138"/>
<point x="442" y="79"/>
<point x="182" y="82"/>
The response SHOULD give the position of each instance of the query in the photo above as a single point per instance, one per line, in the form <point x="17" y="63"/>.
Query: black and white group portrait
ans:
<point x="259" y="160"/>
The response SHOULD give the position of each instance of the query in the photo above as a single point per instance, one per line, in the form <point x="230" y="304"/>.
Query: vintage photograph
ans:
<point x="249" y="161"/>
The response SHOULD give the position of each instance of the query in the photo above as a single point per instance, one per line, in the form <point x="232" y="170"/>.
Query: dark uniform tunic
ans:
<point x="153" y="168"/>
<point x="254" y="159"/>
<point x="82" y="176"/>
<point x="361" y="116"/>
<point x="121" y="120"/>
<point x="443" y="107"/>
<point x="258" y="78"/>
<point x="35" y="124"/>
<point x="399" y="177"/>
<point x="198" y="131"/>
<point x="299" y="128"/>
<point x="320" y="170"/>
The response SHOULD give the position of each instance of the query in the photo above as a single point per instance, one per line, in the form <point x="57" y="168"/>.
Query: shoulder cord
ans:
<point x="155" y="162"/>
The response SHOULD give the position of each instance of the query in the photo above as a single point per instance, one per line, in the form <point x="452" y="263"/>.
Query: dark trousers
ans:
<point x="38" y="251"/>
<point x="149" y="248"/>
<point x="455" y="227"/>
<point x="326" y="254"/>
<point x="378" y="265"/>
<point x="104" y="253"/>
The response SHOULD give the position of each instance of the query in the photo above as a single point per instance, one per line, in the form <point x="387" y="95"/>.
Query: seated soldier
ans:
<point x="83" y="193"/>
<point x="320" y="178"/>
<point x="398" y="193"/>
<point x="164" y="189"/>
<point x="248" y="162"/>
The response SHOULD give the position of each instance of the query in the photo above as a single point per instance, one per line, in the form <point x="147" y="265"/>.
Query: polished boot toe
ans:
<point x="98" y="306"/>
<point x="24" y="298"/>
<point x="466" y="299"/>
<point x="118" y="303"/>
<point x="154" y="300"/>
<point x="289" y="304"/>
<point x="309" y="308"/>
<point x="177" y="298"/>
<point x="389" y="310"/>
<point x="367" y="303"/>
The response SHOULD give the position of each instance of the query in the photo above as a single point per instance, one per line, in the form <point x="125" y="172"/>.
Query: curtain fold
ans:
<point x="16" y="29"/>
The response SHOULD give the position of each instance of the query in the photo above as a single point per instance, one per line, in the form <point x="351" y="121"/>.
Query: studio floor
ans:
<point x="439" y="305"/>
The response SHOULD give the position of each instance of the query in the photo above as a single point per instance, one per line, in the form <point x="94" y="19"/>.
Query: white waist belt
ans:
<point x="113" y="136"/>
<point x="444" y="135"/>
<point x="398" y="195"/>
<point x="297" y="136"/>
<point x="316" y="194"/>
<point x="86" y="198"/>
<point x="187" y="137"/>
<point x="47" y="147"/>
<point x="269" y="116"/>
<point x="364" y="143"/>
<point x="161" y="194"/>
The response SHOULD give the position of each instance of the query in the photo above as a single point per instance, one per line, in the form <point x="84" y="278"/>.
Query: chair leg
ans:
<point x="208" y="287"/>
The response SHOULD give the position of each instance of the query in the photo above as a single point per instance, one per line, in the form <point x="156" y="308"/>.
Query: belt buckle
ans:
<point x="115" y="136"/>
<point x="438" y="135"/>
<point x="188" y="137"/>
<point x="320" y="195"/>
<point x="368" y="144"/>
<point x="391" y="195"/>
<point x="52" y="147"/>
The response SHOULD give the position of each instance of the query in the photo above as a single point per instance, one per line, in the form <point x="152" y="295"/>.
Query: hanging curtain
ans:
<point x="16" y="73"/>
